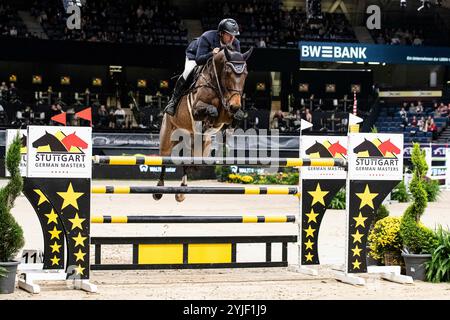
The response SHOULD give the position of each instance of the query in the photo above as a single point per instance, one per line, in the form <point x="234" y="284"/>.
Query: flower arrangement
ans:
<point x="385" y="238"/>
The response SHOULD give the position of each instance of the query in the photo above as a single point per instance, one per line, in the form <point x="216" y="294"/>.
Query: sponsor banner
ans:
<point x="375" y="156"/>
<point x="436" y="173"/>
<point x="360" y="52"/>
<point x="314" y="147"/>
<point x="10" y="135"/>
<point x="59" y="152"/>
<point x="409" y="94"/>
<point x="125" y="140"/>
<point x="438" y="151"/>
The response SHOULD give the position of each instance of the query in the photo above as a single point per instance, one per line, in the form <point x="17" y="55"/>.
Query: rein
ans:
<point x="217" y="88"/>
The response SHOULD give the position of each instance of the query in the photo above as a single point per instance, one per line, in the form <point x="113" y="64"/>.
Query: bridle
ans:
<point x="238" y="67"/>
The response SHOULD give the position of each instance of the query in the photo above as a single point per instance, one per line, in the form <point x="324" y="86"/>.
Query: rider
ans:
<point x="200" y="50"/>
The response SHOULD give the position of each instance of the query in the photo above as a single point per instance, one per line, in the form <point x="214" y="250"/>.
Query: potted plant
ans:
<point x="418" y="241"/>
<point x="376" y="259"/>
<point x="385" y="242"/>
<point x="11" y="234"/>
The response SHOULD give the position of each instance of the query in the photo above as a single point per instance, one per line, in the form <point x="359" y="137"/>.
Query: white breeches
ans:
<point x="189" y="65"/>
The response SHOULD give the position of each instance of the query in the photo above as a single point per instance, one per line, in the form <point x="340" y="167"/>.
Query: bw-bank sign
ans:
<point x="355" y="52"/>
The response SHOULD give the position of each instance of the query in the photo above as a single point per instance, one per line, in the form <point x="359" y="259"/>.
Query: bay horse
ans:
<point x="214" y="98"/>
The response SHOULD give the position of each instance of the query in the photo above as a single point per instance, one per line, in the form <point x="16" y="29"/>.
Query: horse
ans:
<point x="319" y="149"/>
<point x="51" y="141"/>
<point x="73" y="141"/>
<point x="214" y="98"/>
<point x="388" y="147"/>
<point x="337" y="148"/>
<point x="368" y="146"/>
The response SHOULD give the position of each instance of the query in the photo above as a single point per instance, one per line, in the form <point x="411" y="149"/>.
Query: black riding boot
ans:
<point x="171" y="107"/>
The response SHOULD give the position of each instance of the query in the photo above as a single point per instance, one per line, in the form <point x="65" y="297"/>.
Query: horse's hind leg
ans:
<point x="158" y="196"/>
<point x="180" y="196"/>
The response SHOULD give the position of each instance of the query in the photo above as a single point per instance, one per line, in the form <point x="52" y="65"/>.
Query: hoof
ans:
<point x="180" y="197"/>
<point x="157" y="196"/>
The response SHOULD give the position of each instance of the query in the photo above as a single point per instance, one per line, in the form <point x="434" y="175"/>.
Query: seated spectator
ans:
<point x="55" y="109"/>
<point x="308" y="115"/>
<point x="432" y="128"/>
<point x="419" y="107"/>
<point x="403" y="112"/>
<point x="119" y="117"/>
<point x="12" y="91"/>
<point x="422" y="125"/>
<point x="404" y="122"/>
<point x="261" y="43"/>
<point x="412" y="107"/>
<point x="4" y="91"/>
<point x="414" y="122"/>
<point x="103" y="118"/>
<point x="278" y="121"/>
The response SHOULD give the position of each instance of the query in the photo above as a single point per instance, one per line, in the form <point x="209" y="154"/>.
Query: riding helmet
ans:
<point x="229" y="26"/>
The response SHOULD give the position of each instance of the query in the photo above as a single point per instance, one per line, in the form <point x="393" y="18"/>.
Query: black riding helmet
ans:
<point x="229" y="26"/>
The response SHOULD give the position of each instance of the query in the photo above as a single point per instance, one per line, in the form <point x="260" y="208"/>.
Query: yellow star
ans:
<point x="356" y="264"/>
<point x="309" y="232"/>
<point x="55" y="247"/>
<point x="42" y="197"/>
<point x="309" y="257"/>
<point x="360" y="220"/>
<point x="366" y="197"/>
<point x="309" y="244"/>
<point x="52" y="217"/>
<point x="55" y="233"/>
<point x="318" y="195"/>
<point x="70" y="197"/>
<point x="79" y="240"/>
<point x="80" y="255"/>
<point x="312" y="216"/>
<point x="357" y="236"/>
<point x="79" y="269"/>
<point x="55" y="260"/>
<point x="356" y="251"/>
<point x="76" y="222"/>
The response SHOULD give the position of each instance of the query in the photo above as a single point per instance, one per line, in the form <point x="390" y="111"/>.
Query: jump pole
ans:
<point x="106" y="219"/>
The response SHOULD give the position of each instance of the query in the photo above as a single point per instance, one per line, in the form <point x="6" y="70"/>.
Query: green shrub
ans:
<point x="415" y="236"/>
<point x="338" y="201"/>
<point x="382" y="212"/>
<point x="438" y="269"/>
<point x="222" y="173"/>
<point x="284" y="178"/>
<point x="400" y="193"/>
<point x="433" y="189"/>
<point x="385" y="238"/>
<point x="11" y="234"/>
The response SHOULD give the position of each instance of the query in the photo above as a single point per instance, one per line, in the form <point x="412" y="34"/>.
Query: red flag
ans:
<point x="61" y="118"/>
<point x="85" y="114"/>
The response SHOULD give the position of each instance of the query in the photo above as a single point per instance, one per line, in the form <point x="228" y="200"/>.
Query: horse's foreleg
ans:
<point x="165" y="148"/>
<point x="180" y="196"/>
<point x="158" y="196"/>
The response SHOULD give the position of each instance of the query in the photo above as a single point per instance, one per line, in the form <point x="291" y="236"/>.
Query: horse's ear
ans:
<point x="247" y="54"/>
<point x="227" y="53"/>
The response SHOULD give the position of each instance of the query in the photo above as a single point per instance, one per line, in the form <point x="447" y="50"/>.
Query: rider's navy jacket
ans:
<point x="201" y="48"/>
